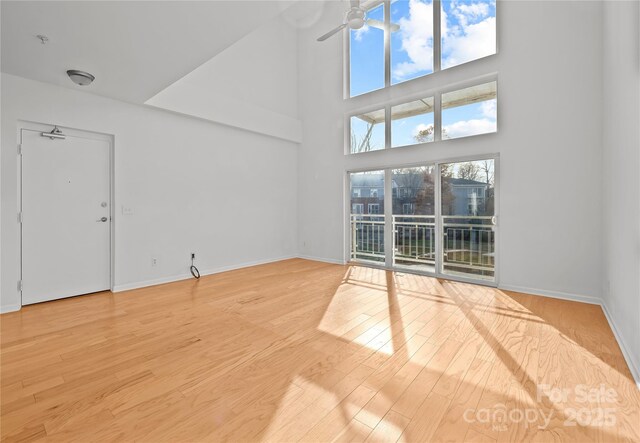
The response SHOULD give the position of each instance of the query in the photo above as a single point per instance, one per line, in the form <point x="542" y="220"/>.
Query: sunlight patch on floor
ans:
<point x="359" y="310"/>
<point x="287" y="409"/>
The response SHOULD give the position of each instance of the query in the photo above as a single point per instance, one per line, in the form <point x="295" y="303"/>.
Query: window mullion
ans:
<point x="388" y="218"/>
<point x="387" y="127"/>
<point x="387" y="43"/>
<point x="437" y="40"/>
<point x="346" y="64"/>
<point x="437" y="117"/>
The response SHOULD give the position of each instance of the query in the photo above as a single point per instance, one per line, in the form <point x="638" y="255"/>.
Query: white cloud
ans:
<point x="490" y="109"/>
<point x="359" y="33"/>
<point x="468" y="33"/>
<point x="417" y="40"/>
<point x="475" y="41"/>
<point x="473" y="37"/>
<point x="421" y="127"/>
<point x="470" y="127"/>
<point x="427" y="136"/>
<point x="466" y="12"/>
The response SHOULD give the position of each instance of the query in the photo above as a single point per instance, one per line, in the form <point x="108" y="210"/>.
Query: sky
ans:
<point x="468" y="33"/>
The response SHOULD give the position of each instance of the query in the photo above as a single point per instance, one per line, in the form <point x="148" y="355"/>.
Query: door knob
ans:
<point x="103" y="220"/>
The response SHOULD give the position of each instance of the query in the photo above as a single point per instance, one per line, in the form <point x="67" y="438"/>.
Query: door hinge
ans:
<point x="20" y="217"/>
<point x="19" y="149"/>
<point x="20" y="285"/>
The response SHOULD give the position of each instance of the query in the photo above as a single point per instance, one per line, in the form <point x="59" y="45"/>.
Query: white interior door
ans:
<point x="66" y="234"/>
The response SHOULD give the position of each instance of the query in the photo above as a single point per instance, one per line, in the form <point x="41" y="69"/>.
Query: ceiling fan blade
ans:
<point x="380" y="25"/>
<point x="330" y="33"/>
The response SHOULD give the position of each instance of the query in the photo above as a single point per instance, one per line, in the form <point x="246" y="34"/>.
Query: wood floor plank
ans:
<point x="308" y="351"/>
<point x="355" y="432"/>
<point x="389" y="429"/>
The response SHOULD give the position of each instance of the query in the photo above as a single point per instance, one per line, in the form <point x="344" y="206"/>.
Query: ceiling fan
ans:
<point x="356" y="18"/>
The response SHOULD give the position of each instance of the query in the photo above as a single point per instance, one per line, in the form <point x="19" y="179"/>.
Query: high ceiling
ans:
<point x="134" y="49"/>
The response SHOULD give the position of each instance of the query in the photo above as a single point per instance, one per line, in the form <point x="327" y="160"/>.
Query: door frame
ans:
<point x="438" y="271"/>
<point x="78" y="133"/>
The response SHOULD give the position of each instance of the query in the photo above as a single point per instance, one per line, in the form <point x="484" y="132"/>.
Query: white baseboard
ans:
<point x="185" y="276"/>
<point x="633" y="367"/>
<point x="9" y="308"/>
<point x="325" y="260"/>
<point x="553" y="294"/>
<point x="147" y="283"/>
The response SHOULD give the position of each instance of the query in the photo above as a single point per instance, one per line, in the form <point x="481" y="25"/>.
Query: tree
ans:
<point x="363" y="145"/>
<point x="426" y="135"/>
<point x="469" y="171"/>
<point x="447" y="197"/>
<point x="408" y="178"/>
<point x="411" y="185"/>
<point x="486" y="168"/>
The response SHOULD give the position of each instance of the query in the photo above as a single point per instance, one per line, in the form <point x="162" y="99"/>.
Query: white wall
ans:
<point x="621" y="159"/>
<point x="251" y="85"/>
<point x="227" y="194"/>
<point x="549" y="104"/>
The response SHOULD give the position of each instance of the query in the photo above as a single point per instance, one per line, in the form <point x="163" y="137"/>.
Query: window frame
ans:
<point x="387" y="168"/>
<point x="357" y="114"/>
<point x="436" y="93"/>
<point x="390" y="113"/>
<point x="437" y="49"/>
<point x="411" y="209"/>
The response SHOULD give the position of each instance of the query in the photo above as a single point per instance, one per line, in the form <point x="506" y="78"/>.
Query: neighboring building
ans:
<point x="469" y="197"/>
<point x="367" y="193"/>
<point x="411" y="195"/>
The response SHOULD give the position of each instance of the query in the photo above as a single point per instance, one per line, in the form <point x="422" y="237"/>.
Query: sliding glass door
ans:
<point x="467" y="199"/>
<point x="367" y="220"/>
<point x="413" y="218"/>
<point x="436" y="219"/>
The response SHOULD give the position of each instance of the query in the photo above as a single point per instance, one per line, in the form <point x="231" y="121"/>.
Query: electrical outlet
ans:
<point x="154" y="262"/>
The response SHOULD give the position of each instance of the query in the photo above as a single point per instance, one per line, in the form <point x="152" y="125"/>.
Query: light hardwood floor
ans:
<point x="302" y="350"/>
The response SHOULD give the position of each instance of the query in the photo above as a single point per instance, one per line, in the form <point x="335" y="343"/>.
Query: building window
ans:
<point x="357" y="208"/>
<point x="373" y="193"/>
<point x="374" y="208"/>
<point x="465" y="32"/>
<point x="411" y="39"/>
<point x="470" y="111"/>
<point x="408" y="208"/>
<point x="356" y="192"/>
<point x="468" y="30"/>
<point x="367" y="131"/>
<point x="463" y="112"/>
<point x="366" y="55"/>
<point x="412" y="123"/>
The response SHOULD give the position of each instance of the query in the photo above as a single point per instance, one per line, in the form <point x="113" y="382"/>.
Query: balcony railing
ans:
<point x="414" y="240"/>
<point x="468" y="241"/>
<point x="469" y="245"/>
<point x="367" y="237"/>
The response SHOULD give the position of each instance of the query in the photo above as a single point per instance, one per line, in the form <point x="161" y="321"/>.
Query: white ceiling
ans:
<point x="134" y="49"/>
